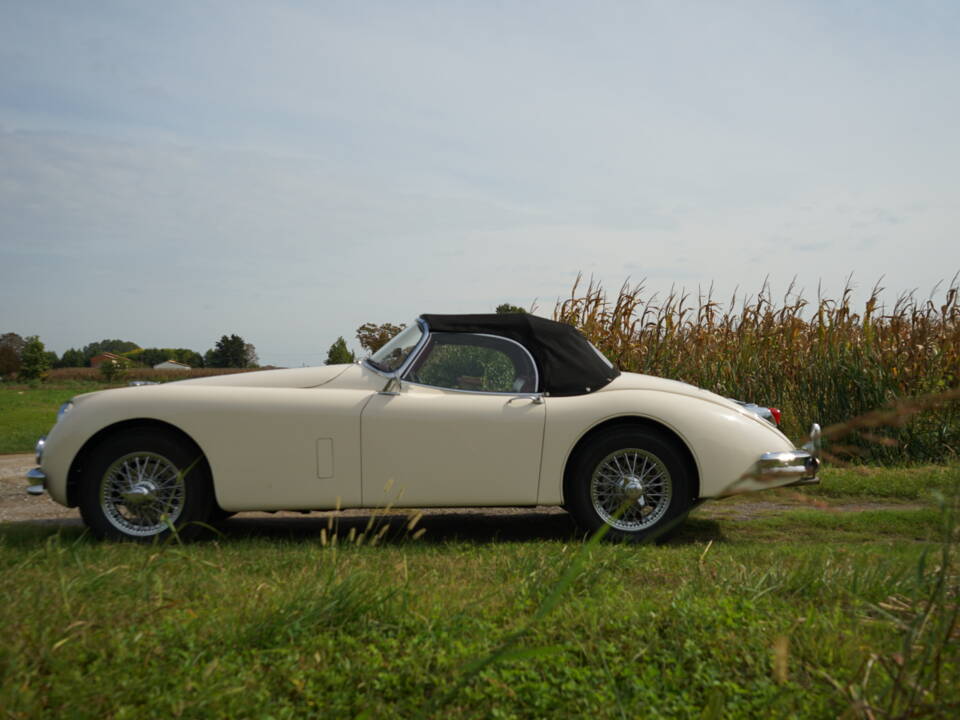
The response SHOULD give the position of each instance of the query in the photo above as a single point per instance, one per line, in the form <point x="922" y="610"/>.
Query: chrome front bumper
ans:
<point x="38" y="480"/>
<point x="36" y="477"/>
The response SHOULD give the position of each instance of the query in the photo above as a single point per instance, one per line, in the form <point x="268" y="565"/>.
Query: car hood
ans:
<point x="290" y="378"/>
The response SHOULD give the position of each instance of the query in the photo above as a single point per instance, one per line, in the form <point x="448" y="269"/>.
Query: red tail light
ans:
<point x="776" y="415"/>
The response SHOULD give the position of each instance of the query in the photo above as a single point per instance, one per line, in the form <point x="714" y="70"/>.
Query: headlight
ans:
<point x="64" y="409"/>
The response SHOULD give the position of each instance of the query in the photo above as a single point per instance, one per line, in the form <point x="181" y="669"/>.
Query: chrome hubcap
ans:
<point x="631" y="489"/>
<point x="141" y="492"/>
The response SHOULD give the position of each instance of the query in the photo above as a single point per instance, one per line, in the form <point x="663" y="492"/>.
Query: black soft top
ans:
<point x="568" y="364"/>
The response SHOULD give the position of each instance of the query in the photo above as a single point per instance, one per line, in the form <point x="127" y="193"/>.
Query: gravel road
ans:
<point x="15" y="504"/>
<point x="18" y="507"/>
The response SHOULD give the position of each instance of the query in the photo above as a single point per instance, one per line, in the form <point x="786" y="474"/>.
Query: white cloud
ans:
<point x="289" y="171"/>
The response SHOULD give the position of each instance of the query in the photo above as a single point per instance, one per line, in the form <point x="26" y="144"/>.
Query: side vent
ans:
<point x="325" y="458"/>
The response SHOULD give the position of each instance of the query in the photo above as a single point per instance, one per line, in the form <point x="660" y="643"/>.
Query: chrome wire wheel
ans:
<point x="141" y="493"/>
<point x="631" y="489"/>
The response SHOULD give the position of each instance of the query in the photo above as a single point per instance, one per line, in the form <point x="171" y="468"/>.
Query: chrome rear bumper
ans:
<point x="796" y="467"/>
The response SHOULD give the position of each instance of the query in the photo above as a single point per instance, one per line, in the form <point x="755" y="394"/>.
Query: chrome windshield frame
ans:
<point x="395" y="374"/>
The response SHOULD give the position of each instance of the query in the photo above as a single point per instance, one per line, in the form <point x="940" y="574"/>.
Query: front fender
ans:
<point x="268" y="448"/>
<point x="92" y="413"/>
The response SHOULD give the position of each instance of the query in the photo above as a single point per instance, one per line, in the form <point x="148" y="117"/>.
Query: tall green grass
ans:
<point x="823" y="360"/>
<point x="256" y="627"/>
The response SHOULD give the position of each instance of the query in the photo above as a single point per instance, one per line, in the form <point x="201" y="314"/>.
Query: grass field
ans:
<point x="28" y="412"/>
<point x="842" y="598"/>
<point x="807" y="611"/>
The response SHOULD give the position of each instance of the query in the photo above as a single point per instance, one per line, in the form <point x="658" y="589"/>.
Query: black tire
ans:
<point x="634" y="480"/>
<point x="135" y="480"/>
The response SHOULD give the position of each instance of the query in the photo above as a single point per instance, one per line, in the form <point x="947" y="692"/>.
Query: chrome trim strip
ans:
<point x="412" y="357"/>
<point x="536" y="398"/>
<point x="38" y="448"/>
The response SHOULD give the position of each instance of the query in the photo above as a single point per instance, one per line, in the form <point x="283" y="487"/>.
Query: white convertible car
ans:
<point x="456" y="410"/>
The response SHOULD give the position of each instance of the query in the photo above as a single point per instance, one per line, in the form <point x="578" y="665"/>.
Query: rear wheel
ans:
<point x="139" y="482"/>
<point x="634" y="480"/>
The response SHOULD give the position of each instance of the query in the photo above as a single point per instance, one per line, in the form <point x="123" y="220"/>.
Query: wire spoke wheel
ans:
<point x="141" y="493"/>
<point x="631" y="489"/>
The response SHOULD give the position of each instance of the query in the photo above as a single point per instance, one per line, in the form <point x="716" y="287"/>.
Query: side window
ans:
<point x="482" y="363"/>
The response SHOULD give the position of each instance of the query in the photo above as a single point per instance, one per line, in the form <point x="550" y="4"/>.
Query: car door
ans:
<point x="465" y="428"/>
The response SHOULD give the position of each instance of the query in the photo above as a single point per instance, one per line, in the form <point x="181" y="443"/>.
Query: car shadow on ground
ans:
<point x="435" y="527"/>
<point x="438" y="527"/>
<point x="441" y="527"/>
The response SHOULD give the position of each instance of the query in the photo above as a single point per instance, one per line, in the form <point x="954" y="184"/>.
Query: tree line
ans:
<point x="28" y="359"/>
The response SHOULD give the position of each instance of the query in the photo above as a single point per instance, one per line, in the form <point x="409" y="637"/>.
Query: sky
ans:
<point x="172" y="172"/>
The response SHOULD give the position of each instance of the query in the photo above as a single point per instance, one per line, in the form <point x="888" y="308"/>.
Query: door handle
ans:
<point x="535" y="399"/>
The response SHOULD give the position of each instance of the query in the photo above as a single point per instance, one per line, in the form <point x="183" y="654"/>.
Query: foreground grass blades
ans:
<point x="807" y="612"/>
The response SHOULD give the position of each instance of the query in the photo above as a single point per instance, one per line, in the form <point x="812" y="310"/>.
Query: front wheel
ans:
<point x="140" y="482"/>
<point x="633" y="480"/>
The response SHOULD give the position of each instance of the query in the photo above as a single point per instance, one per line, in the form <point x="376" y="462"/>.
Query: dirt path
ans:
<point x="17" y="506"/>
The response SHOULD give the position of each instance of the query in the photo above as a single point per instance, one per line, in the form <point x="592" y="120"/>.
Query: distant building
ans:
<point x="171" y="365"/>
<point x="98" y="360"/>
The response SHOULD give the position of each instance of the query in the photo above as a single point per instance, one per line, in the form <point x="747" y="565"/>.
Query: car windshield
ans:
<point x="391" y="356"/>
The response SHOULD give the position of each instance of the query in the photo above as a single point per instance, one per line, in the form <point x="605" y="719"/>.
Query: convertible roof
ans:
<point x="566" y="361"/>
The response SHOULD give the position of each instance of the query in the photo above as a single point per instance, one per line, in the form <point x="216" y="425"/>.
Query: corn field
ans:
<point x="825" y="361"/>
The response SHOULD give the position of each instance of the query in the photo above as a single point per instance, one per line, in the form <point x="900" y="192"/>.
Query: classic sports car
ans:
<point x="456" y="410"/>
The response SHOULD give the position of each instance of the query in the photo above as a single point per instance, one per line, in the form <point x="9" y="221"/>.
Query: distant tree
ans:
<point x="14" y="341"/>
<point x="136" y="356"/>
<point x="9" y="361"/>
<point x="113" y="370"/>
<point x="373" y="337"/>
<point x="71" y="358"/>
<point x="230" y="352"/>
<point x="52" y="359"/>
<point x="338" y="354"/>
<point x="188" y="357"/>
<point x="148" y="356"/>
<point x="34" y="362"/>
<point x="250" y="356"/>
<point x="507" y="308"/>
<point x="11" y="346"/>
